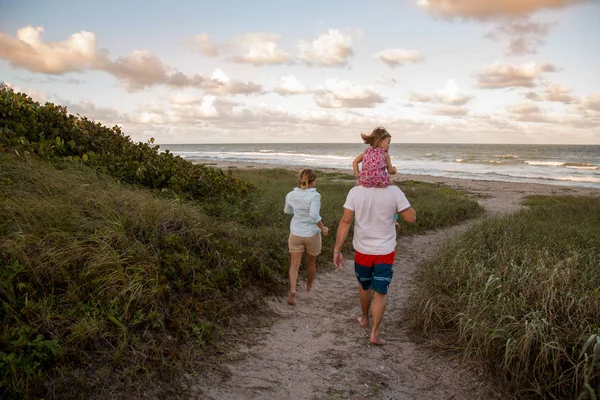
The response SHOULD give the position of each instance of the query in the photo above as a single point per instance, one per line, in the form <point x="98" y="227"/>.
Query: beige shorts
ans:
<point x="312" y="245"/>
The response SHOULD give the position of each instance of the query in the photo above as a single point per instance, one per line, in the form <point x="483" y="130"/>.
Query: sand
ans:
<point x="317" y="350"/>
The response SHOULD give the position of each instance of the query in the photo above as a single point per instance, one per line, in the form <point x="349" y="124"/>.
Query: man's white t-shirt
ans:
<point x="374" y="210"/>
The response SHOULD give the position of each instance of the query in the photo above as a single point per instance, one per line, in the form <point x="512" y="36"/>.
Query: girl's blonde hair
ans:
<point x="375" y="137"/>
<point x="305" y="177"/>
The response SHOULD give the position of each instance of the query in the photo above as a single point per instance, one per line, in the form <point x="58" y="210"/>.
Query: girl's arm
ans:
<point x="391" y="169"/>
<point x="355" y="163"/>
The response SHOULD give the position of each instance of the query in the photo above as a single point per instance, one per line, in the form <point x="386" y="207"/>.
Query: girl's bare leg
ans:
<point x="295" y="259"/>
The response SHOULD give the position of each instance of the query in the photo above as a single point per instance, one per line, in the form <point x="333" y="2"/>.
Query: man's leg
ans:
<point x="295" y="259"/>
<point x="311" y="270"/>
<point x="365" y="305"/>
<point x="379" y="303"/>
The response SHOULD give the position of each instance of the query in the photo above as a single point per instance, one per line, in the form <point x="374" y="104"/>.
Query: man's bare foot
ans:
<point x="308" y="287"/>
<point x="376" y="340"/>
<point x="292" y="299"/>
<point x="363" y="321"/>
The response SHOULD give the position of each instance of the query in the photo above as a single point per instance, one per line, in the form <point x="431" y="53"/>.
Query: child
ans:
<point x="375" y="160"/>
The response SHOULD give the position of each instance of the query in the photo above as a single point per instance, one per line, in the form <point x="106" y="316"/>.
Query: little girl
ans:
<point x="375" y="160"/>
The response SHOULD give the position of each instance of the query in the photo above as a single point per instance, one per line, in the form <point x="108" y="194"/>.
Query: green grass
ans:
<point x="105" y="285"/>
<point x="522" y="292"/>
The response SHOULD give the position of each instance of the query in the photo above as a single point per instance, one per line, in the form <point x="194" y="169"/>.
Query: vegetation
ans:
<point x="118" y="262"/>
<point x="523" y="293"/>
<point x="50" y="132"/>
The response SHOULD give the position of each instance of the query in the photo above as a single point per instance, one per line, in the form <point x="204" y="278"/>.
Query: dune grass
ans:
<point x="522" y="292"/>
<point x="103" y="284"/>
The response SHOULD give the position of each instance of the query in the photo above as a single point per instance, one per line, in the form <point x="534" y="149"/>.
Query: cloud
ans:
<point x="342" y="94"/>
<point x="386" y="81"/>
<point x="450" y="111"/>
<point x="139" y="70"/>
<point x="482" y="10"/>
<point x="524" y="108"/>
<point x="28" y="51"/>
<point x="591" y="102"/>
<point x="330" y="50"/>
<point x="290" y="85"/>
<point x="396" y="57"/>
<point x="499" y="76"/>
<point x="589" y="107"/>
<point x="524" y="36"/>
<point x="86" y="108"/>
<point x="532" y="96"/>
<point x="203" y="44"/>
<point x="559" y="93"/>
<point x="527" y="112"/>
<point x="450" y="95"/>
<point x="221" y="84"/>
<point x="420" y="97"/>
<point x="259" y="49"/>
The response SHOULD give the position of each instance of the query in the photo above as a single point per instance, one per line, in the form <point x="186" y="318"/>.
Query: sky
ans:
<point x="286" y="71"/>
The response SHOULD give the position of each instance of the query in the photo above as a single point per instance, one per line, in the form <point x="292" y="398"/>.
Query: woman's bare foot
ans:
<point x="376" y="340"/>
<point x="309" y="287"/>
<point x="363" y="321"/>
<point x="292" y="299"/>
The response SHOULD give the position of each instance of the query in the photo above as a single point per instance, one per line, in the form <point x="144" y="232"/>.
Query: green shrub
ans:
<point x="93" y="272"/>
<point x="50" y="132"/>
<point x="522" y="292"/>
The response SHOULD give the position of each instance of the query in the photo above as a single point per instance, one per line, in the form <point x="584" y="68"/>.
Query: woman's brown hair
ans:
<point x="305" y="177"/>
<point x="375" y="137"/>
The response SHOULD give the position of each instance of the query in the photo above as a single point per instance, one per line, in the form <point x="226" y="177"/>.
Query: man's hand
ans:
<point x="325" y="231"/>
<point x="338" y="260"/>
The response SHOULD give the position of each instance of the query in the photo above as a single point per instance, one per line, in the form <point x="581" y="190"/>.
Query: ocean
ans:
<point x="571" y="165"/>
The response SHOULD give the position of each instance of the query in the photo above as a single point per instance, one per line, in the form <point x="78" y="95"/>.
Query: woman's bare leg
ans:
<point x="311" y="270"/>
<point x="295" y="259"/>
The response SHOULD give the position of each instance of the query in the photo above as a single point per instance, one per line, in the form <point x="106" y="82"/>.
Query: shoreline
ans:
<point x="500" y="196"/>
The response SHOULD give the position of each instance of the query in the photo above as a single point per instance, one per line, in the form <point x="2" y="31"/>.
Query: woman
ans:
<point x="304" y="203"/>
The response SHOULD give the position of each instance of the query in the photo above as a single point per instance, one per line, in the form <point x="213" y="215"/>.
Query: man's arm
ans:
<point x="409" y="215"/>
<point x="340" y="237"/>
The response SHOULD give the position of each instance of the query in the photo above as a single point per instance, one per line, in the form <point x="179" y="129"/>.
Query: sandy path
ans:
<point x="317" y="350"/>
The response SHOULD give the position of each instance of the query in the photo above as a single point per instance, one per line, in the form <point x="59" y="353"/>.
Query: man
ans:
<point x="375" y="243"/>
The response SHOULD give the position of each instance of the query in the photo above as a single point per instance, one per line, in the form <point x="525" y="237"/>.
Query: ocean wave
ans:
<point x="546" y="163"/>
<point x="578" y="178"/>
<point x="506" y="156"/>
<point x="578" y="167"/>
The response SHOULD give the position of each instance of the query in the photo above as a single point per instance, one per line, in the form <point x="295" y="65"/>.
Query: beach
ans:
<point x="497" y="197"/>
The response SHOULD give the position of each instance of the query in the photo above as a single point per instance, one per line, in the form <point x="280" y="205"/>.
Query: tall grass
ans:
<point x="103" y="285"/>
<point x="96" y="273"/>
<point x="523" y="293"/>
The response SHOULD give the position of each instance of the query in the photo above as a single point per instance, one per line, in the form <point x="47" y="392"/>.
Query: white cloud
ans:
<point x="559" y="93"/>
<point x="290" y="85"/>
<point x="450" y="111"/>
<point x="332" y="49"/>
<point x="27" y="50"/>
<point x="342" y="94"/>
<point x="498" y="76"/>
<point x="486" y="9"/>
<point x="259" y="49"/>
<point x="524" y="108"/>
<point x="450" y="95"/>
<point x="203" y="44"/>
<point x="396" y="57"/>
<point x="524" y="36"/>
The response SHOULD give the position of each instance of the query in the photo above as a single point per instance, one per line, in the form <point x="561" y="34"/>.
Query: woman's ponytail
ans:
<point x="305" y="177"/>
